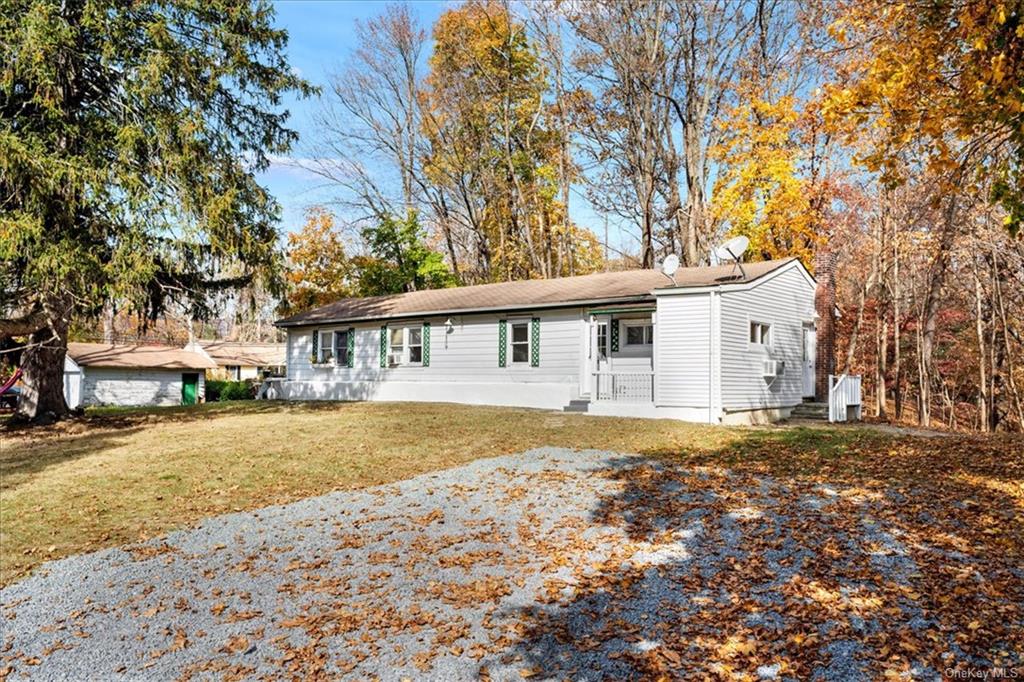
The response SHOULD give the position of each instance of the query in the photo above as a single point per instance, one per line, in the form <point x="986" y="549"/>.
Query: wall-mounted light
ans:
<point x="449" y="326"/>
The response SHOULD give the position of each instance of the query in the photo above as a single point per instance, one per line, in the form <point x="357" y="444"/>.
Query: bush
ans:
<point x="230" y="390"/>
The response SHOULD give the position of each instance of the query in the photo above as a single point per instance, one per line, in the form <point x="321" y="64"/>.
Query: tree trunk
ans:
<point x="979" y="328"/>
<point x="42" y="364"/>
<point x="897" y="364"/>
<point x="937" y="278"/>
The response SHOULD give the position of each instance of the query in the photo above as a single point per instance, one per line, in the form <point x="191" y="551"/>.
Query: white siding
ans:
<point x="112" y="386"/>
<point x="466" y="357"/>
<point x="785" y="302"/>
<point x="682" y="351"/>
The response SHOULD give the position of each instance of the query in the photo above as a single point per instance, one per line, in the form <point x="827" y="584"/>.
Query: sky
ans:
<point x="321" y="36"/>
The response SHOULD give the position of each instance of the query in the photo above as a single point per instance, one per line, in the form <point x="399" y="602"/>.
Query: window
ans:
<point x="639" y="334"/>
<point x="414" y="340"/>
<point x="406" y="346"/>
<point x="760" y="334"/>
<point x="520" y="342"/>
<point x="341" y="348"/>
<point x="326" y="348"/>
<point x="602" y="340"/>
<point x="397" y="339"/>
<point x="235" y="372"/>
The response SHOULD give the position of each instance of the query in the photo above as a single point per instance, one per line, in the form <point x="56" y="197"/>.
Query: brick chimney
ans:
<point x="825" y="306"/>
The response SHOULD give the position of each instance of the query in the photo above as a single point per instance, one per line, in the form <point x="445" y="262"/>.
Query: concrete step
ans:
<point x="577" y="406"/>
<point x="810" y="410"/>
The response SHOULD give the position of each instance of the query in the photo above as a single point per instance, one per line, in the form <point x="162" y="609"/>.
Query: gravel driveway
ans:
<point x="547" y="564"/>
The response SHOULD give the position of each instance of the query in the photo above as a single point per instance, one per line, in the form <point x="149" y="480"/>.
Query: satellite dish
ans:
<point x="669" y="266"/>
<point x="733" y="249"/>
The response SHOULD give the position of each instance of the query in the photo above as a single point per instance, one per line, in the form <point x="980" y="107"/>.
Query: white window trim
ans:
<point x="405" y="362"/>
<point x="529" y="346"/>
<point x="624" y="333"/>
<point x="320" y="347"/>
<point x="752" y="345"/>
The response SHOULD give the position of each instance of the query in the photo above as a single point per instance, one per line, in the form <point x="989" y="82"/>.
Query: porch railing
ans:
<point x="843" y="393"/>
<point x="624" y="387"/>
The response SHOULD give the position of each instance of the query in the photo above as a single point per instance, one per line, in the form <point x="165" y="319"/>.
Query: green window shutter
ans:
<point x="535" y="342"/>
<point x="383" y="345"/>
<point x="351" y="346"/>
<point x="615" y="335"/>
<point x="316" y="346"/>
<point x="426" y="344"/>
<point x="502" y="342"/>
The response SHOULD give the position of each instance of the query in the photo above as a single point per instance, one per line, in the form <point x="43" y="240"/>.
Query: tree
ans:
<point x="130" y="134"/>
<point x="759" y="192"/>
<point x="399" y="260"/>
<point x="491" y="144"/>
<point x="318" y="270"/>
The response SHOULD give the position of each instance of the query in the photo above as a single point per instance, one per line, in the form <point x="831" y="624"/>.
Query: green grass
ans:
<point x="123" y="475"/>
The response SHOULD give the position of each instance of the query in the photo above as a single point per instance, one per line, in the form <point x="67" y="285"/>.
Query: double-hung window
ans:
<point x="414" y="342"/>
<point x="326" y="348"/>
<point x="396" y="355"/>
<point x="760" y="334"/>
<point x="520" y="343"/>
<point x="639" y="333"/>
<point x="406" y="346"/>
<point x="341" y="348"/>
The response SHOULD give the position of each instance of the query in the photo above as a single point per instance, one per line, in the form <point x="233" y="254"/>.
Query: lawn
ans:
<point x="120" y="476"/>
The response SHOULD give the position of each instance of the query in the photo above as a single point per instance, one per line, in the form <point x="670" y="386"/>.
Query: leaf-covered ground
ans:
<point x="775" y="558"/>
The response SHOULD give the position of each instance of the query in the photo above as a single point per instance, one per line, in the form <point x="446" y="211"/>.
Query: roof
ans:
<point x="136" y="356"/>
<point x="627" y="286"/>
<point x="245" y="354"/>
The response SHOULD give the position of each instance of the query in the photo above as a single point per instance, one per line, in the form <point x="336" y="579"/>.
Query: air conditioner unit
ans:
<point x="395" y="359"/>
<point x="773" y="368"/>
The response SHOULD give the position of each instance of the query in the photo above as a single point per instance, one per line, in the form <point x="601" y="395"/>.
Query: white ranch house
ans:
<point x="714" y="345"/>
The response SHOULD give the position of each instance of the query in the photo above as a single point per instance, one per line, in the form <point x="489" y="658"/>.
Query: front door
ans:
<point x="189" y="388"/>
<point x="810" y="353"/>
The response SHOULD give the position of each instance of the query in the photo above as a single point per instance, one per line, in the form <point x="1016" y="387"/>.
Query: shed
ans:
<point x="135" y="374"/>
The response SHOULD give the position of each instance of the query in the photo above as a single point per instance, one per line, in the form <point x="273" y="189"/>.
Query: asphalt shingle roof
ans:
<point x="627" y="286"/>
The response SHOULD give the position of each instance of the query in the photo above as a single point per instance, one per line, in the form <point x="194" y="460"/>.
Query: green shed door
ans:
<point x="189" y="388"/>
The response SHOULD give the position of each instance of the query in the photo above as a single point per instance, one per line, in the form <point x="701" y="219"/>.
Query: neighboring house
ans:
<point x="711" y="346"/>
<point x="104" y="374"/>
<point x="237" y="361"/>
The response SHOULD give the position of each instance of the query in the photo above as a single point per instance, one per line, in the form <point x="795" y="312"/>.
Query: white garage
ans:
<point x="105" y="374"/>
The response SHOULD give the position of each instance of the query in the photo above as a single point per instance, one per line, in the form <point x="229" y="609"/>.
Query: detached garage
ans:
<point x="104" y="374"/>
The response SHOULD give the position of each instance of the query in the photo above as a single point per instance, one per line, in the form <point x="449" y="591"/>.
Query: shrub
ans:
<point x="230" y="390"/>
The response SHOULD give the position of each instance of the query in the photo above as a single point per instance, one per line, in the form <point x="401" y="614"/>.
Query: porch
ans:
<point x="620" y="357"/>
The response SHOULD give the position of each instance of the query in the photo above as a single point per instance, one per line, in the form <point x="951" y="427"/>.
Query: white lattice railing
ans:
<point x="843" y="393"/>
<point x="624" y="387"/>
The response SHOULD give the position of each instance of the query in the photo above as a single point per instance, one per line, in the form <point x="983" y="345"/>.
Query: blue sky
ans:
<point x="321" y="35"/>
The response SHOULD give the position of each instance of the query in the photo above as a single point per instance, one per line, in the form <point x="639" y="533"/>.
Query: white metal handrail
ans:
<point x="624" y="387"/>
<point x="843" y="394"/>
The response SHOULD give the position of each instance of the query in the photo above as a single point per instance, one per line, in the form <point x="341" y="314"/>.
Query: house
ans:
<point x="238" y="361"/>
<point x="105" y="374"/>
<point x="716" y="344"/>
